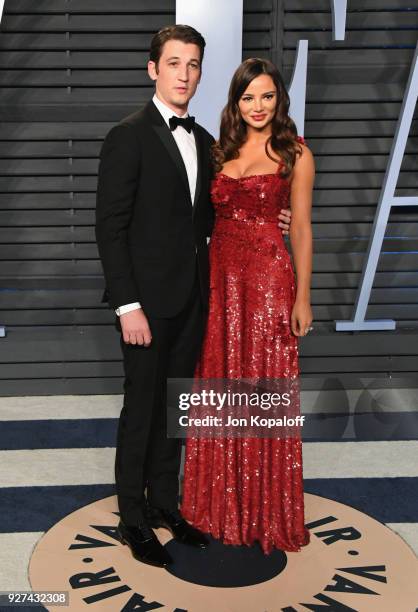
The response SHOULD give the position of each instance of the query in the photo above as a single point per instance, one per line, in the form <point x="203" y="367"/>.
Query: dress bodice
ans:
<point x="257" y="197"/>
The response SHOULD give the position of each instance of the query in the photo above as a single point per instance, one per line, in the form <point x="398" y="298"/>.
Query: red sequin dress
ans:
<point x="242" y="490"/>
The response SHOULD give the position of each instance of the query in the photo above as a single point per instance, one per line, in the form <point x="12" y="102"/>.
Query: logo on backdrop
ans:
<point x="353" y="562"/>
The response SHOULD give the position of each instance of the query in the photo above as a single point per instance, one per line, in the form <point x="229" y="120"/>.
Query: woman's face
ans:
<point x="258" y="102"/>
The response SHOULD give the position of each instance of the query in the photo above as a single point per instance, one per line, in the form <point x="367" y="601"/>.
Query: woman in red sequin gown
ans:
<point x="243" y="490"/>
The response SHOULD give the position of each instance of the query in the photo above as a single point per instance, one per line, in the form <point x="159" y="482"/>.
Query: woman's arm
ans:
<point x="301" y="238"/>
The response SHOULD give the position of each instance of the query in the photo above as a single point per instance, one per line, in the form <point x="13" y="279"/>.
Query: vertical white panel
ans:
<point x="1" y="8"/>
<point x="220" y="23"/>
<point x="339" y="16"/>
<point x="297" y="88"/>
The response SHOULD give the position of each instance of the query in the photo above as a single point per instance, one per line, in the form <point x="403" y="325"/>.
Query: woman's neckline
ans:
<point x="239" y="178"/>
<point x="245" y="176"/>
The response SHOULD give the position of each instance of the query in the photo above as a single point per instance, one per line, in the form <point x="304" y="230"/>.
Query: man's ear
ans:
<point x="152" y="70"/>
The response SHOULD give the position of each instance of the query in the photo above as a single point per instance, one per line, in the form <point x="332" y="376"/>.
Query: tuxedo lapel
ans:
<point x="166" y="137"/>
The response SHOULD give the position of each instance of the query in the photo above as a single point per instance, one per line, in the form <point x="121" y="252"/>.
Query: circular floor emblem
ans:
<point x="353" y="564"/>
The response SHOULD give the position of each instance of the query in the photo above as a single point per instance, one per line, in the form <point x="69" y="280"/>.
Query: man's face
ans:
<point x="177" y="74"/>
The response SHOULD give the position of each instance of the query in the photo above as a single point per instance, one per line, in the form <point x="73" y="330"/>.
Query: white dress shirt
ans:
<point x="187" y="147"/>
<point x="185" y="142"/>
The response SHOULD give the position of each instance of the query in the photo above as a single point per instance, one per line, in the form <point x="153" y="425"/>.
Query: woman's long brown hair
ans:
<point x="233" y="130"/>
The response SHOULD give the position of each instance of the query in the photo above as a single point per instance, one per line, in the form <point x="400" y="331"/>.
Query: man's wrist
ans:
<point x="127" y="308"/>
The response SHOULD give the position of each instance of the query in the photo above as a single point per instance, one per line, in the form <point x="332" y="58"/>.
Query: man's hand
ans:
<point x="135" y="328"/>
<point x="284" y="220"/>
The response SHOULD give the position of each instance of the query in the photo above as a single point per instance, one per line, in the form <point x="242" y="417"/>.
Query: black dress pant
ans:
<point x="145" y="457"/>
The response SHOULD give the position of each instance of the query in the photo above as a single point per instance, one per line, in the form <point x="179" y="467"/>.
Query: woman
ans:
<point x="243" y="490"/>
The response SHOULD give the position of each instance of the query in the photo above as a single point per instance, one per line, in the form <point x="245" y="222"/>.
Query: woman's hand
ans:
<point x="301" y="317"/>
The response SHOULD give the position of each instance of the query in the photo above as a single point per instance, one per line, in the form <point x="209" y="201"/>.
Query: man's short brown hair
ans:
<point x="185" y="33"/>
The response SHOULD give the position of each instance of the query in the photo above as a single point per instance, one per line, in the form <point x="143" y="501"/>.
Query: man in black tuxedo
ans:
<point x="153" y="217"/>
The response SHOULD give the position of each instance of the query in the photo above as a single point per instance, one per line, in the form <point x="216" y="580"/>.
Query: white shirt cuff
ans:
<point x="127" y="308"/>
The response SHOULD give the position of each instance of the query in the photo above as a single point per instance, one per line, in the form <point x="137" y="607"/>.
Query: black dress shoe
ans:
<point x="144" y="544"/>
<point x="179" y="527"/>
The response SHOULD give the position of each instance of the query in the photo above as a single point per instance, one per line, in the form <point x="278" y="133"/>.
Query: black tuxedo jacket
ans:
<point x="149" y="235"/>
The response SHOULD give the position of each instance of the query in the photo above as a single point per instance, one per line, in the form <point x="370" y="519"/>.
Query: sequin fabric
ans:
<point x="243" y="490"/>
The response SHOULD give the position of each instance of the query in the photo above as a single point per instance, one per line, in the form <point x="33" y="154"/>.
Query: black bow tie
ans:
<point x="186" y="122"/>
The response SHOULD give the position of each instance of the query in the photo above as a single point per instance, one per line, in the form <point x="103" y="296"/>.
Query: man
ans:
<point x="153" y="217"/>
